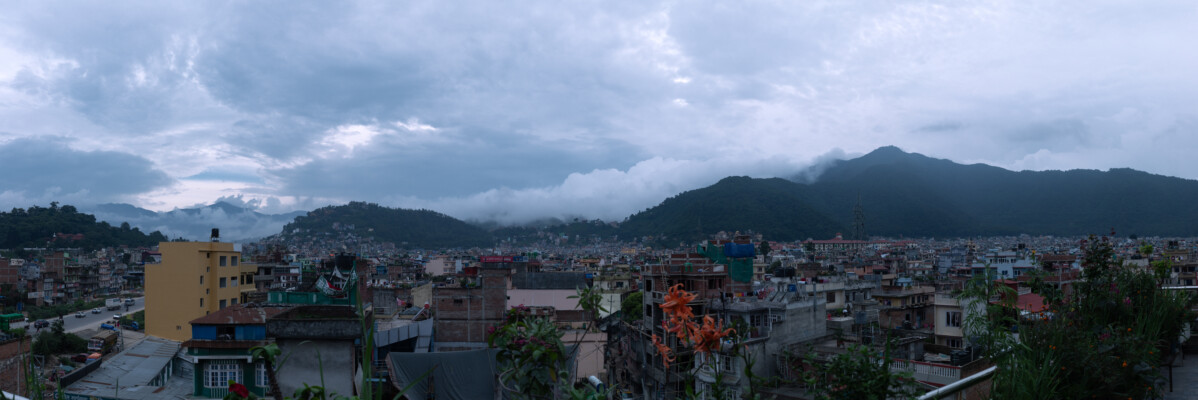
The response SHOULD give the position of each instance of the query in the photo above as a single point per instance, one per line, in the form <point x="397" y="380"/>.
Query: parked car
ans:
<point x="41" y="323"/>
<point x="116" y="317"/>
<point x="96" y="311"/>
<point x="80" y="314"/>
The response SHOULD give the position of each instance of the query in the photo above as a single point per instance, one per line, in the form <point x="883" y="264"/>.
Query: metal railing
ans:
<point x="954" y="390"/>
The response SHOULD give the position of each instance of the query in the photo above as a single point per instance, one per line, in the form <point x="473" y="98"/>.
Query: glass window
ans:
<point x="223" y="260"/>
<point x="261" y="379"/>
<point x="222" y="281"/>
<point x="952" y="318"/>
<point x="234" y="261"/>
<point x="219" y="375"/>
<point x="222" y="303"/>
<point x="234" y="280"/>
<point x="201" y="279"/>
<point x="201" y="302"/>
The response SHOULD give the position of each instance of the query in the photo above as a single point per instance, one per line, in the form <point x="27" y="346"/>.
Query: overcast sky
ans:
<point x="521" y="110"/>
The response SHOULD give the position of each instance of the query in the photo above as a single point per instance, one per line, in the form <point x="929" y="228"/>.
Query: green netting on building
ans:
<point x="739" y="269"/>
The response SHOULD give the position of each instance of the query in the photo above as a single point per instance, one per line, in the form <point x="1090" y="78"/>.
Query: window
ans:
<point x="220" y="372"/>
<point x="201" y="302"/>
<point x="222" y="281"/>
<point x="201" y="279"/>
<point x="249" y="279"/>
<point x="222" y="304"/>
<point x="261" y="379"/>
<point x="224" y="260"/>
<point x="234" y="259"/>
<point x="952" y="318"/>
<point x="234" y="281"/>
<point x="831" y="297"/>
<point x="233" y="300"/>
<point x="226" y="332"/>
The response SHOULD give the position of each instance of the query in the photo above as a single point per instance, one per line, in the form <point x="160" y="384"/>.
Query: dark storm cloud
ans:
<point x="45" y="169"/>
<point x="391" y="166"/>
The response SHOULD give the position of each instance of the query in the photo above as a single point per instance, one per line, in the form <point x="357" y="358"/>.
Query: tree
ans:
<point x="630" y="308"/>
<point x="269" y="355"/>
<point x="764" y="248"/>
<point x="860" y="374"/>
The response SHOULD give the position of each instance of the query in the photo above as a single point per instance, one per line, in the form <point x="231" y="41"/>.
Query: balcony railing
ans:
<point x="927" y="372"/>
<point x="961" y="388"/>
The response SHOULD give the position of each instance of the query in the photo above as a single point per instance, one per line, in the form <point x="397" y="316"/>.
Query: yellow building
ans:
<point x="193" y="279"/>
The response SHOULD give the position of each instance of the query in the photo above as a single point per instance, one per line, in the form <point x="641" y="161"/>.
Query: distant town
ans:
<point x="196" y="319"/>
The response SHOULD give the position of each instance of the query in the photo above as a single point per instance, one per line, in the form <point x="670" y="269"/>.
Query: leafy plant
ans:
<point x="1107" y="339"/>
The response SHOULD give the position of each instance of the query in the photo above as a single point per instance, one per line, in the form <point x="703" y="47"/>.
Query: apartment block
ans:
<point x="193" y="280"/>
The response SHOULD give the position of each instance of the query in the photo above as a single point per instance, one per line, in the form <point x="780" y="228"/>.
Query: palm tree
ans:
<point x="269" y="354"/>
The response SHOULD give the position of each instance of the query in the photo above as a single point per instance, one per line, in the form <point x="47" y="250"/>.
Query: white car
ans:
<point x="95" y="311"/>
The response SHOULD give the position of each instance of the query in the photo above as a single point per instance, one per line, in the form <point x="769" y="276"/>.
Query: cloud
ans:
<point x="478" y="103"/>
<point x="40" y="170"/>
<point x="607" y="194"/>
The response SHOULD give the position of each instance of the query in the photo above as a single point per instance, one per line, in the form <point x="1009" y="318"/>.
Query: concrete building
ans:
<point x="193" y="280"/>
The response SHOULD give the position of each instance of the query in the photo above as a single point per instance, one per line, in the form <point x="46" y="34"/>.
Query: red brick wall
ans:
<point x="11" y="366"/>
<point x="9" y="273"/>
<point x="463" y="315"/>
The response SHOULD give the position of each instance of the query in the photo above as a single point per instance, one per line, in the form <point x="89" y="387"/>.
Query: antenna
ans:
<point x="859" y="221"/>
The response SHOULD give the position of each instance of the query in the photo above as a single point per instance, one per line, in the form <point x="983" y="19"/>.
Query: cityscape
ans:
<point x="643" y="200"/>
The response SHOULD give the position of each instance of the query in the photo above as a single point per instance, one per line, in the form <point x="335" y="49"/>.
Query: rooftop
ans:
<point x="241" y="314"/>
<point x="129" y="375"/>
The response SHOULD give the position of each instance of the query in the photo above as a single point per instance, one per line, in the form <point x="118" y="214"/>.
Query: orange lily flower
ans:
<point x="664" y="350"/>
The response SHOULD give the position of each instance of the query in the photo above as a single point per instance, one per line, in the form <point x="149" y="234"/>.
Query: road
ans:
<point x="90" y="321"/>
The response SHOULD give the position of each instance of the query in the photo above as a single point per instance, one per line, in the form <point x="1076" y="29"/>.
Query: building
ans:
<point x="905" y="307"/>
<point x="193" y="280"/>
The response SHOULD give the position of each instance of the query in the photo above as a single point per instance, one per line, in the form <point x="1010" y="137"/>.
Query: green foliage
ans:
<point x="138" y="317"/>
<point x="36" y="226"/>
<point x="630" y="308"/>
<point x="57" y="341"/>
<point x="777" y="208"/>
<point x="949" y="199"/>
<point x="416" y="228"/>
<point x="859" y="373"/>
<point x="1106" y="340"/>
<point x="532" y="358"/>
<point x="590" y="300"/>
<point x="62" y="309"/>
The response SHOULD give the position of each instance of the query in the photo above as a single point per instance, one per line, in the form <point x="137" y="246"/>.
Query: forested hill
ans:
<point x="66" y="227"/>
<point x="899" y="193"/>
<point x="407" y="228"/>
<point x="776" y="208"/>
<point x="911" y="194"/>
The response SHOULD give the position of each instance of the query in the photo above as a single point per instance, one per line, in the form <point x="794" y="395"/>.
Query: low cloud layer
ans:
<point x="532" y="110"/>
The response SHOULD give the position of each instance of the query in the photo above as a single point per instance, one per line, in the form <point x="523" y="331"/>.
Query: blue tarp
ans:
<point x="733" y="250"/>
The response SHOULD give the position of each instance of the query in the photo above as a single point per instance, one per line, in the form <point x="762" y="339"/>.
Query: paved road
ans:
<point x="91" y="321"/>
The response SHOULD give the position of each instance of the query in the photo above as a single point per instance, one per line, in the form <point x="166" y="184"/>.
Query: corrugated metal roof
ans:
<point x="241" y="314"/>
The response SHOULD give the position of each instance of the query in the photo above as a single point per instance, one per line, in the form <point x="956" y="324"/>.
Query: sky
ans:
<point x="515" y="111"/>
